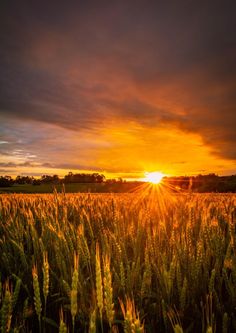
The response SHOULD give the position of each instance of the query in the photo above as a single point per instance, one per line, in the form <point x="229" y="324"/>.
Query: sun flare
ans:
<point x="153" y="177"/>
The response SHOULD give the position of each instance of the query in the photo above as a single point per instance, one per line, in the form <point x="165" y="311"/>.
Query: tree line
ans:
<point x="6" y="181"/>
<point x="199" y="183"/>
<point x="204" y="183"/>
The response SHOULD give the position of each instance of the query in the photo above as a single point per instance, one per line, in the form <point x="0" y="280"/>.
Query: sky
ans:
<point x="117" y="87"/>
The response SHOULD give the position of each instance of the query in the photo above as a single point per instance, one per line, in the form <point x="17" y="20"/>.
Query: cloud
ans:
<point x="15" y="165"/>
<point x="86" y="67"/>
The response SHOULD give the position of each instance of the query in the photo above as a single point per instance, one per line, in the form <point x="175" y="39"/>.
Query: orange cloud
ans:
<point x="118" y="88"/>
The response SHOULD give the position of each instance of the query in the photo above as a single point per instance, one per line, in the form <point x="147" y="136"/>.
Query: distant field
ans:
<point x="138" y="262"/>
<point x="69" y="188"/>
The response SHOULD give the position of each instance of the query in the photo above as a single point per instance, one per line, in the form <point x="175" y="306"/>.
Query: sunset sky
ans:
<point x="118" y="87"/>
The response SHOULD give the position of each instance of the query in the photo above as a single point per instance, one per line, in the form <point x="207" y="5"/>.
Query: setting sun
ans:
<point x="153" y="177"/>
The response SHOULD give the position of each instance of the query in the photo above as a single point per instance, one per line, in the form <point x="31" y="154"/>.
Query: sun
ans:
<point x="153" y="177"/>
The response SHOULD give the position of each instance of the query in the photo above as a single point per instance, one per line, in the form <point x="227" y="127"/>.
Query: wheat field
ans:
<point x="118" y="263"/>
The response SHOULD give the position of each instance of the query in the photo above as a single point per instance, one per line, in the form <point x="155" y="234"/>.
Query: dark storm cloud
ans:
<point x="79" y="65"/>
